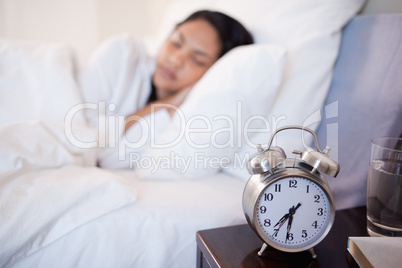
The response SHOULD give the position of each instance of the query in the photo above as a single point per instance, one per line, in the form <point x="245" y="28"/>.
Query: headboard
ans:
<point x="364" y="101"/>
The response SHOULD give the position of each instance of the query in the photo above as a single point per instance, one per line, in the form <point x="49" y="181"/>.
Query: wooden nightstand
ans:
<point x="237" y="246"/>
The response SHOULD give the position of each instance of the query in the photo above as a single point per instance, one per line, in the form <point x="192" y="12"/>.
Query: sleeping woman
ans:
<point x="124" y="81"/>
<point x="196" y="43"/>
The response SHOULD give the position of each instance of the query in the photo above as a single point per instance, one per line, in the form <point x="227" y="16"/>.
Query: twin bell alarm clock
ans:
<point x="287" y="201"/>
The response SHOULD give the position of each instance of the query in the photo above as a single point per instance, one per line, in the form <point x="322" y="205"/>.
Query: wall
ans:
<point x="82" y="24"/>
<point x="382" y="6"/>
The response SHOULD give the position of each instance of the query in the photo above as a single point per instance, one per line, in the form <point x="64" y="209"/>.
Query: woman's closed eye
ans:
<point x="191" y="49"/>
<point x="176" y="43"/>
<point x="198" y="61"/>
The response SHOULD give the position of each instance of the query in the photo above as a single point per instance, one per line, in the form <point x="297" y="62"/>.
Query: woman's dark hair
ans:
<point x="231" y="32"/>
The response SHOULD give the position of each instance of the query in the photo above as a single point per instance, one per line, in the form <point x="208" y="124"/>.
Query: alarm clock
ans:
<point x="287" y="201"/>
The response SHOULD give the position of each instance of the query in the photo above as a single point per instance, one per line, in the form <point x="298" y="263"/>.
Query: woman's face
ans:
<point x="187" y="54"/>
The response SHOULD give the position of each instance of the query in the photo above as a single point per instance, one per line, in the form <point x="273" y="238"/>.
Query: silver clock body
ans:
<point x="291" y="170"/>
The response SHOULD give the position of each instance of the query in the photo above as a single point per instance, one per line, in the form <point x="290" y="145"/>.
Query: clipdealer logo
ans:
<point x="218" y="132"/>
<point x="198" y="131"/>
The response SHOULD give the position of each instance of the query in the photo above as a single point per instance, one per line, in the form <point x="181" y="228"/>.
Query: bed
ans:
<point x="59" y="209"/>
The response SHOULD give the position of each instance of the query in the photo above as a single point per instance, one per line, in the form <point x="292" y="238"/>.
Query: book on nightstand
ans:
<point x="381" y="252"/>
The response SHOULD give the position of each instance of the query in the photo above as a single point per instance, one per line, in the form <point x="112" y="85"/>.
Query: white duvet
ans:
<point x="59" y="210"/>
<point x="48" y="188"/>
<point x="157" y="230"/>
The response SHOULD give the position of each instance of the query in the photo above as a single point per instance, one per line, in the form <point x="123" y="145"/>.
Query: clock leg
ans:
<point x="313" y="255"/>
<point x="264" y="246"/>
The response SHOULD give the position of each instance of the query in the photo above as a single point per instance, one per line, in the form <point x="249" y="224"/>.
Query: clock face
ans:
<point x="293" y="214"/>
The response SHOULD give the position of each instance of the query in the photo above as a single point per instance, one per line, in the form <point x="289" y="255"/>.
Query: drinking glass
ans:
<point x="384" y="187"/>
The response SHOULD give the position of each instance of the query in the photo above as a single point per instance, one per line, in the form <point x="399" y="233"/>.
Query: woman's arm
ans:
<point x="171" y="104"/>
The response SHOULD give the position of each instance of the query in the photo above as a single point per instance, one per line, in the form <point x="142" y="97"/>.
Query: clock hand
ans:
<point x="289" y="226"/>
<point x="282" y="220"/>
<point x="292" y="211"/>
<point x="297" y="206"/>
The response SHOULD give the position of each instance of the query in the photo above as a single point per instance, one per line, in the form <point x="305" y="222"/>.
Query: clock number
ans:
<point x="316" y="198"/>
<point x="268" y="197"/>
<point x="289" y="236"/>
<point x="275" y="232"/>
<point x="293" y="184"/>
<point x="308" y="189"/>
<point x="267" y="222"/>
<point x="263" y="209"/>
<point x="304" y="234"/>
<point x="277" y="187"/>
<point x="320" y="212"/>
<point x="315" y="224"/>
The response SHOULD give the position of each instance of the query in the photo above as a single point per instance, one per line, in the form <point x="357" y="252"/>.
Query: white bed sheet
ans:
<point x="158" y="230"/>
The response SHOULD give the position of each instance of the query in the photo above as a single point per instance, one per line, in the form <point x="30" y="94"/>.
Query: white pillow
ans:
<point x="280" y="22"/>
<point x="250" y="74"/>
<point x="37" y="82"/>
<point x="237" y="87"/>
